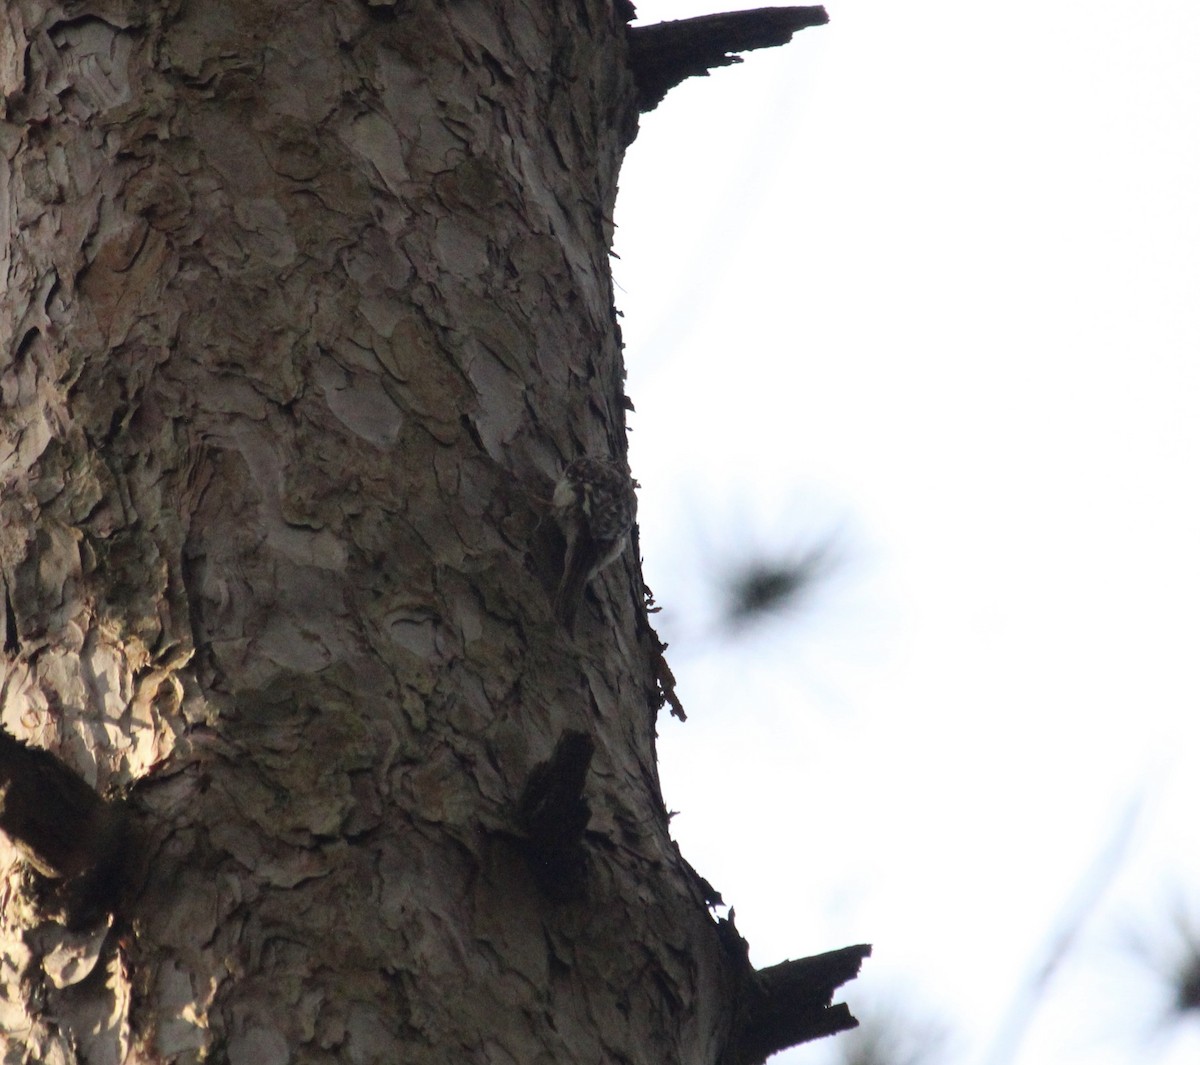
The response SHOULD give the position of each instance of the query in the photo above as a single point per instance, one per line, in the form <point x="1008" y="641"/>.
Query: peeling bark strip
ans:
<point x="63" y="829"/>
<point x="12" y="642"/>
<point x="667" y="53"/>
<point x="554" y="814"/>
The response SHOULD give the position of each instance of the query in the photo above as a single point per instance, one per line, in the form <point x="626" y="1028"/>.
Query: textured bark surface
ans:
<point x="306" y="305"/>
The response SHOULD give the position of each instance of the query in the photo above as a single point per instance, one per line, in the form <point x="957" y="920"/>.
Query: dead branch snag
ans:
<point x="666" y="53"/>
<point x="789" y="1003"/>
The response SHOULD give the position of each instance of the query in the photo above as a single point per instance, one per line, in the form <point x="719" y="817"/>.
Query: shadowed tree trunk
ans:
<point x="306" y="307"/>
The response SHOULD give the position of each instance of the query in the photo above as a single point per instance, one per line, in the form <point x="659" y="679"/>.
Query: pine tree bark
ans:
<point x="306" y="307"/>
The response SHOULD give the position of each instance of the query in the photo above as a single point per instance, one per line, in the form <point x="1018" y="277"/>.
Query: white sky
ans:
<point x="928" y="276"/>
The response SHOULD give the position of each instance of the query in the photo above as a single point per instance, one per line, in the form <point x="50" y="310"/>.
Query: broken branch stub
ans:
<point x="792" y="1003"/>
<point x="666" y="53"/>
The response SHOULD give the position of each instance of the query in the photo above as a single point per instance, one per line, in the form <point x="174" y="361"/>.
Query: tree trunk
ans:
<point x="307" y="306"/>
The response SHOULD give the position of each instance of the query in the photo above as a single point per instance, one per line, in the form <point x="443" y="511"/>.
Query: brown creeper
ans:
<point x="594" y="504"/>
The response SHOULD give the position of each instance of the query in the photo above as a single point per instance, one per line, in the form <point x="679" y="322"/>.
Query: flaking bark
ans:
<point x="305" y="306"/>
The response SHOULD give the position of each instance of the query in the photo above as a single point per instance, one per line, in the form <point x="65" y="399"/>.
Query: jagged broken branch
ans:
<point x="664" y="54"/>
<point x="792" y="1002"/>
